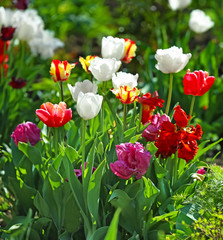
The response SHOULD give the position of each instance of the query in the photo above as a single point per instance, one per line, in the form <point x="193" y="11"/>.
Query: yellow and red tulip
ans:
<point x="126" y="94"/>
<point x="129" y="52"/>
<point x="60" y="71"/>
<point x="86" y="62"/>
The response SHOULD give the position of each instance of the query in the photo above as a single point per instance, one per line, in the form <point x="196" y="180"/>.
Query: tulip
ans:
<point x="171" y="60"/>
<point x="7" y="33"/>
<point x="152" y="131"/>
<point x="88" y="105"/>
<point x="26" y="132"/>
<point x="199" y="22"/>
<point x="17" y="83"/>
<point x="197" y="83"/>
<point x="60" y="71"/>
<point x="181" y="117"/>
<point x="85" y="87"/>
<point x="178" y="4"/>
<point x="112" y="47"/>
<point x="132" y="160"/>
<point x="21" y="4"/>
<point x="54" y="115"/>
<point x="124" y="79"/>
<point x="129" y="52"/>
<point x="102" y="69"/>
<point x="126" y="94"/>
<point x="86" y="62"/>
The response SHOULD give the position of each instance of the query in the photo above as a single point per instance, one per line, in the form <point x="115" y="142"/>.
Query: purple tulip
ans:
<point x="21" y="4"/>
<point x="151" y="132"/>
<point x="132" y="160"/>
<point x="26" y="132"/>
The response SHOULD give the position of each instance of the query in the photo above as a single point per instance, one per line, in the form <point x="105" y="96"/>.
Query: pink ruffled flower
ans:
<point x="201" y="171"/>
<point x="151" y="132"/>
<point x="132" y="160"/>
<point x="26" y="132"/>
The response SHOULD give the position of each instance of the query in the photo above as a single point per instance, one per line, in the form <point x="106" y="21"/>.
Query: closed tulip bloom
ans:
<point x="133" y="159"/>
<point x="17" y="83"/>
<point x="126" y="94"/>
<point x="199" y="22"/>
<point x="112" y="47"/>
<point x="178" y="4"/>
<point x="7" y="33"/>
<point x="197" y="83"/>
<point x="129" y="52"/>
<point x="102" y="69"/>
<point x="85" y="63"/>
<point x="26" y="132"/>
<point x="171" y="60"/>
<point x="85" y="87"/>
<point x="124" y="79"/>
<point x="54" y="115"/>
<point x="88" y="105"/>
<point x="60" y="71"/>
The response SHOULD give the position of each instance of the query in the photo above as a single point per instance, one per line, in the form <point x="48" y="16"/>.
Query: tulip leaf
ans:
<point x="160" y="171"/>
<point x="17" y="155"/>
<point x="99" y="234"/>
<point x="93" y="195"/>
<point x="41" y="205"/>
<point x="71" y="153"/>
<point x="113" y="228"/>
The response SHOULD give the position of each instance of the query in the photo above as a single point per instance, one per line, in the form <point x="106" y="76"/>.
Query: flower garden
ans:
<point x="111" y="120"/>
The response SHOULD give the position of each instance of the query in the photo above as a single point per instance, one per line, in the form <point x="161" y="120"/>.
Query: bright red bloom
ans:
<point x="129" y="51"/>
<point x="54" y="115"/>
<point x="149" y="103"/>
<point x="7" y="33"/>
<point x="17" y="83"/>
<point x="3" y="46"/>
<point x="197" y="83"/>
<point x="180" y="117"/>
<point x="178" y="137"/>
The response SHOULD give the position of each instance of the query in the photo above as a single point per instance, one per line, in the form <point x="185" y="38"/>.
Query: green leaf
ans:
<point x="93" y="194"/>
<point x="160" y="171"/>
<point x="71" y="153"/>
<point x="31" y="152"/>
<point x="41" y="205"/>
<point x="99" y="234"/>
<point x="16" y="154"/>
<point x="113" y="228"/>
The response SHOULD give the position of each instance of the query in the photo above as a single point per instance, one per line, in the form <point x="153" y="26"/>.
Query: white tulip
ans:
<point x="6" y="17"/>
<point x="88" y="105"/>
<point x="112" y="47"/>
<point x="102" y="69"/>
<point x="84" y="87"/>
<point x="178" y="4"/>
<point x="45" y="44"/>
<point x="199" y="22"/>
<point x="124" y="79"/>
<point x="171" y="60"/>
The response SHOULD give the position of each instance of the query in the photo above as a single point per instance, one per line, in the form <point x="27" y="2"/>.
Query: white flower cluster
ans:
<point x="30" y="27"/>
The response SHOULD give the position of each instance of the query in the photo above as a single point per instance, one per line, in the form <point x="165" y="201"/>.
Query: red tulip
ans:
<point x="54" y="115"/>
<point x="7" y="33"/>
<point x="197" y="83"/>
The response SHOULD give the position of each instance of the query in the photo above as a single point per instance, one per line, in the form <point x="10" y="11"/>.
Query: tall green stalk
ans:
<point x="103" y="106"/>
<point x="61" y="89"/>
<point x="55" y="138"/>
<point x="83" y="133"/>
<point x="192" y="105"/>
<point x="125" y="117"/>
<point x="169" y="94"/>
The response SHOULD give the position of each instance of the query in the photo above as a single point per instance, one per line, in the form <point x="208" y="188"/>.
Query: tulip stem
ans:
<point x="125" y="116"/>
<point x="56" y="141"/>
<point x="61" y="89"/>
<point x="192" y="105"/>
<point x="169" y="94"/>
<point x="83" y="133"/>
<point x="140" y="117"/>
<point x="103" y="106"/>
<point x="175" y="168"/>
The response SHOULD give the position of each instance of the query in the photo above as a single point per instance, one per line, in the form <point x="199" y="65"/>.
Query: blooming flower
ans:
<point x="44" y="44"/>
<point x="112" y="47"/>
<point x="171" y="60"/>
<point x="197" y="83"/>
<point x="102" y="69"/>
<point x="124" y="79"/>
<point x="86" y="62"/>
<point x="149" y="103"/>
<point x="199" y="22"/>
<point x="21" y="4"/>
<point x="178" y="4"/>
<point x="88" y="105"/>
<point x="60" y="71"/>
<point x="199" y="175"/>
<point x="17" y="83"/>
<point x="201" y="171"/>
<point x="132" y="160"/>
<point x="26" y="132"/>
<point x="54" y="115"/>
<point x="129" y="52"/>
<point x="85" y="87"/>
<point x="152" y="131"/>
<point x="7" y="33"/>
<point x="126" y="94"/>
<point x="179" y="138"/>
